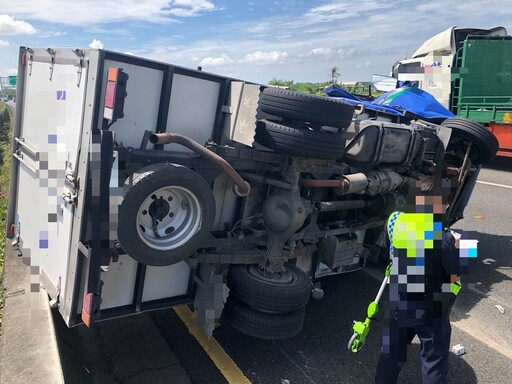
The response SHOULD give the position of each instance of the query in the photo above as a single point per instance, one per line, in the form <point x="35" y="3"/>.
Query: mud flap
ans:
<point x="211" y="295"/>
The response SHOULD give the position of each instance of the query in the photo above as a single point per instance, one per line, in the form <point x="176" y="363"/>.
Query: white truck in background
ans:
<point x="468" y="70"/>
<point x="140" y="185"/>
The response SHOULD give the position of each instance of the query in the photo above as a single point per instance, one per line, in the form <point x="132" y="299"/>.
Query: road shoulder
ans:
<point x="29" y="352"/>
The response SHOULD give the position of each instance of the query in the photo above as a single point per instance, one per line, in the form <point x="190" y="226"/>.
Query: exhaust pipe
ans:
<point x="241" y="188"/>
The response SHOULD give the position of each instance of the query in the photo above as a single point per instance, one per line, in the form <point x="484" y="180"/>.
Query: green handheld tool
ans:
<point x="361" y="328"/>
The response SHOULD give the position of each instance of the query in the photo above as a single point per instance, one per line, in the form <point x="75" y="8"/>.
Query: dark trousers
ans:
<point x="435" y="345"/>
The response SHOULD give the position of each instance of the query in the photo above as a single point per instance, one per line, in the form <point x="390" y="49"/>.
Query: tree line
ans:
<point x="360" y="87"/>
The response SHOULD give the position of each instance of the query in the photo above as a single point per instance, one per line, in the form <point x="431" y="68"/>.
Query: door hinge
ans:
<point x="80" y="64"/>
<point x="51" y="52"/>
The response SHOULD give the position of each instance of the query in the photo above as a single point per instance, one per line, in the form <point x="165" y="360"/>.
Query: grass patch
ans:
<point x="6" y="120"/>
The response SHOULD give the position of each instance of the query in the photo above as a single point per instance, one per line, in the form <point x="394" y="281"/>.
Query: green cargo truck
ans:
<point x="469" y="71"/>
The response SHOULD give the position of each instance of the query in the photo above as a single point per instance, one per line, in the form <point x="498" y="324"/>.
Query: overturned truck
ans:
<point x="140" y="185"/>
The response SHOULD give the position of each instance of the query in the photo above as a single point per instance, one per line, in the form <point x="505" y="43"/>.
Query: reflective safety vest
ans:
<point x="415" y="232"/>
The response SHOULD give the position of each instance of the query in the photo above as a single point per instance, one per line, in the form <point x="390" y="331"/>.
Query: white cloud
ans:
<point x="323" y="52"/>
<point x="87" y="12"/>
<point x="354" y="53"/>
<point x="366" y="64"/>
<point x="8" y="71"/>
<point x="4" y="43"/>
<point x="216" y="61"/>
<point x="9" y="26"/>
<point x="260" y="57"/>
<point x="107" y="29"/>
<point x="51" y="34"/>
<point x="342" y="10"/>
<point x="186" y="8"/>
<point x="96" y="44"/>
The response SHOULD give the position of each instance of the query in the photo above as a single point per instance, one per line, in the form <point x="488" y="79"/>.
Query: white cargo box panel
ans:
<point x="47" y="148"/>
<point x="70" y="170"/>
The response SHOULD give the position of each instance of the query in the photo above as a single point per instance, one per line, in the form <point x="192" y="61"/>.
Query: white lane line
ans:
<point x="474" y="330"/>
<point x="494" y="184"/>
<point x="469" y="326"/>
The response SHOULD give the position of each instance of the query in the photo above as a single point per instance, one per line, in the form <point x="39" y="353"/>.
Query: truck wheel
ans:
<point x="302" y="142"/>
<point x="167" y="212"/>
<point x="279" y="292"/>
<point x="484" y="143"/>
<point x="269" y="326"/>
<point x="297" y="106"/>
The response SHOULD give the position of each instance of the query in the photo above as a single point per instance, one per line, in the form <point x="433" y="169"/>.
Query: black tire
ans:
<point x="301" y="142"/>
<point x="268" y="326"/>
<point x="484" y="143"/>
<point x="297" y="106"/>
<point x="280" y="292"/>
<point x="183" y="219"/>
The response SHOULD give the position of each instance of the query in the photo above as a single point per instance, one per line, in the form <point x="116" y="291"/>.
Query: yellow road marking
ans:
<point x="220" y="358"/>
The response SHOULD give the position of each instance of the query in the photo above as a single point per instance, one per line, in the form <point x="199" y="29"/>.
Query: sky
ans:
<point x="257" y="41"/>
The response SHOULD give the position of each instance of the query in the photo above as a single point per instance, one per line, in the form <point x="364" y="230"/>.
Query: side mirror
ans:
<point x="383" y="83"/>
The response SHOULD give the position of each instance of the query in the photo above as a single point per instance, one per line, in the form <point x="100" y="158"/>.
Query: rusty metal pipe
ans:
<point x="314" y="183"/>
<point x="242" y="188"/>
<point x="266" y="180"/>
<point x="343" y="185"/>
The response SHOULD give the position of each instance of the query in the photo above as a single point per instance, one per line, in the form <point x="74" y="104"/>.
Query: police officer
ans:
<point x="424" y="281"/>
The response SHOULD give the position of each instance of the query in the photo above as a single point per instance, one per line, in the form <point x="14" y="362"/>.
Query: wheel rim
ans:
<point x="278" y="278"/>
<point x="168" y="218"/>
<point x="354" y="344"/>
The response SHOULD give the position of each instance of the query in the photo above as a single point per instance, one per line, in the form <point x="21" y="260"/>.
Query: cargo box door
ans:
<point x="46" y="152"/>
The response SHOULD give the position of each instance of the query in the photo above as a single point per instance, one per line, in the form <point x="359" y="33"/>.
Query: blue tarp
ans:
<point x="414" y="100"/>
<point x="397" y="102"/>
<point x="339" y="93"/>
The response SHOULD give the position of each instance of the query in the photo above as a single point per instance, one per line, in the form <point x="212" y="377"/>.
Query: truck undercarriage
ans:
<point x="247" y="199"/>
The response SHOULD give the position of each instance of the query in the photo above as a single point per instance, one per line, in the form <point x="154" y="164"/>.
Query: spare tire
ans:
<point x="279" y="292"/>
<point x="263" y="325"/>
<point x="300" y="142"/>
<point x="484" y="143"/>
<point x="304" y="107"/>
<point x="166" y="214"/>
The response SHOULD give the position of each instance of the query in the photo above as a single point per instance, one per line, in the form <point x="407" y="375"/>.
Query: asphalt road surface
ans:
<point x="319" y="353"/>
